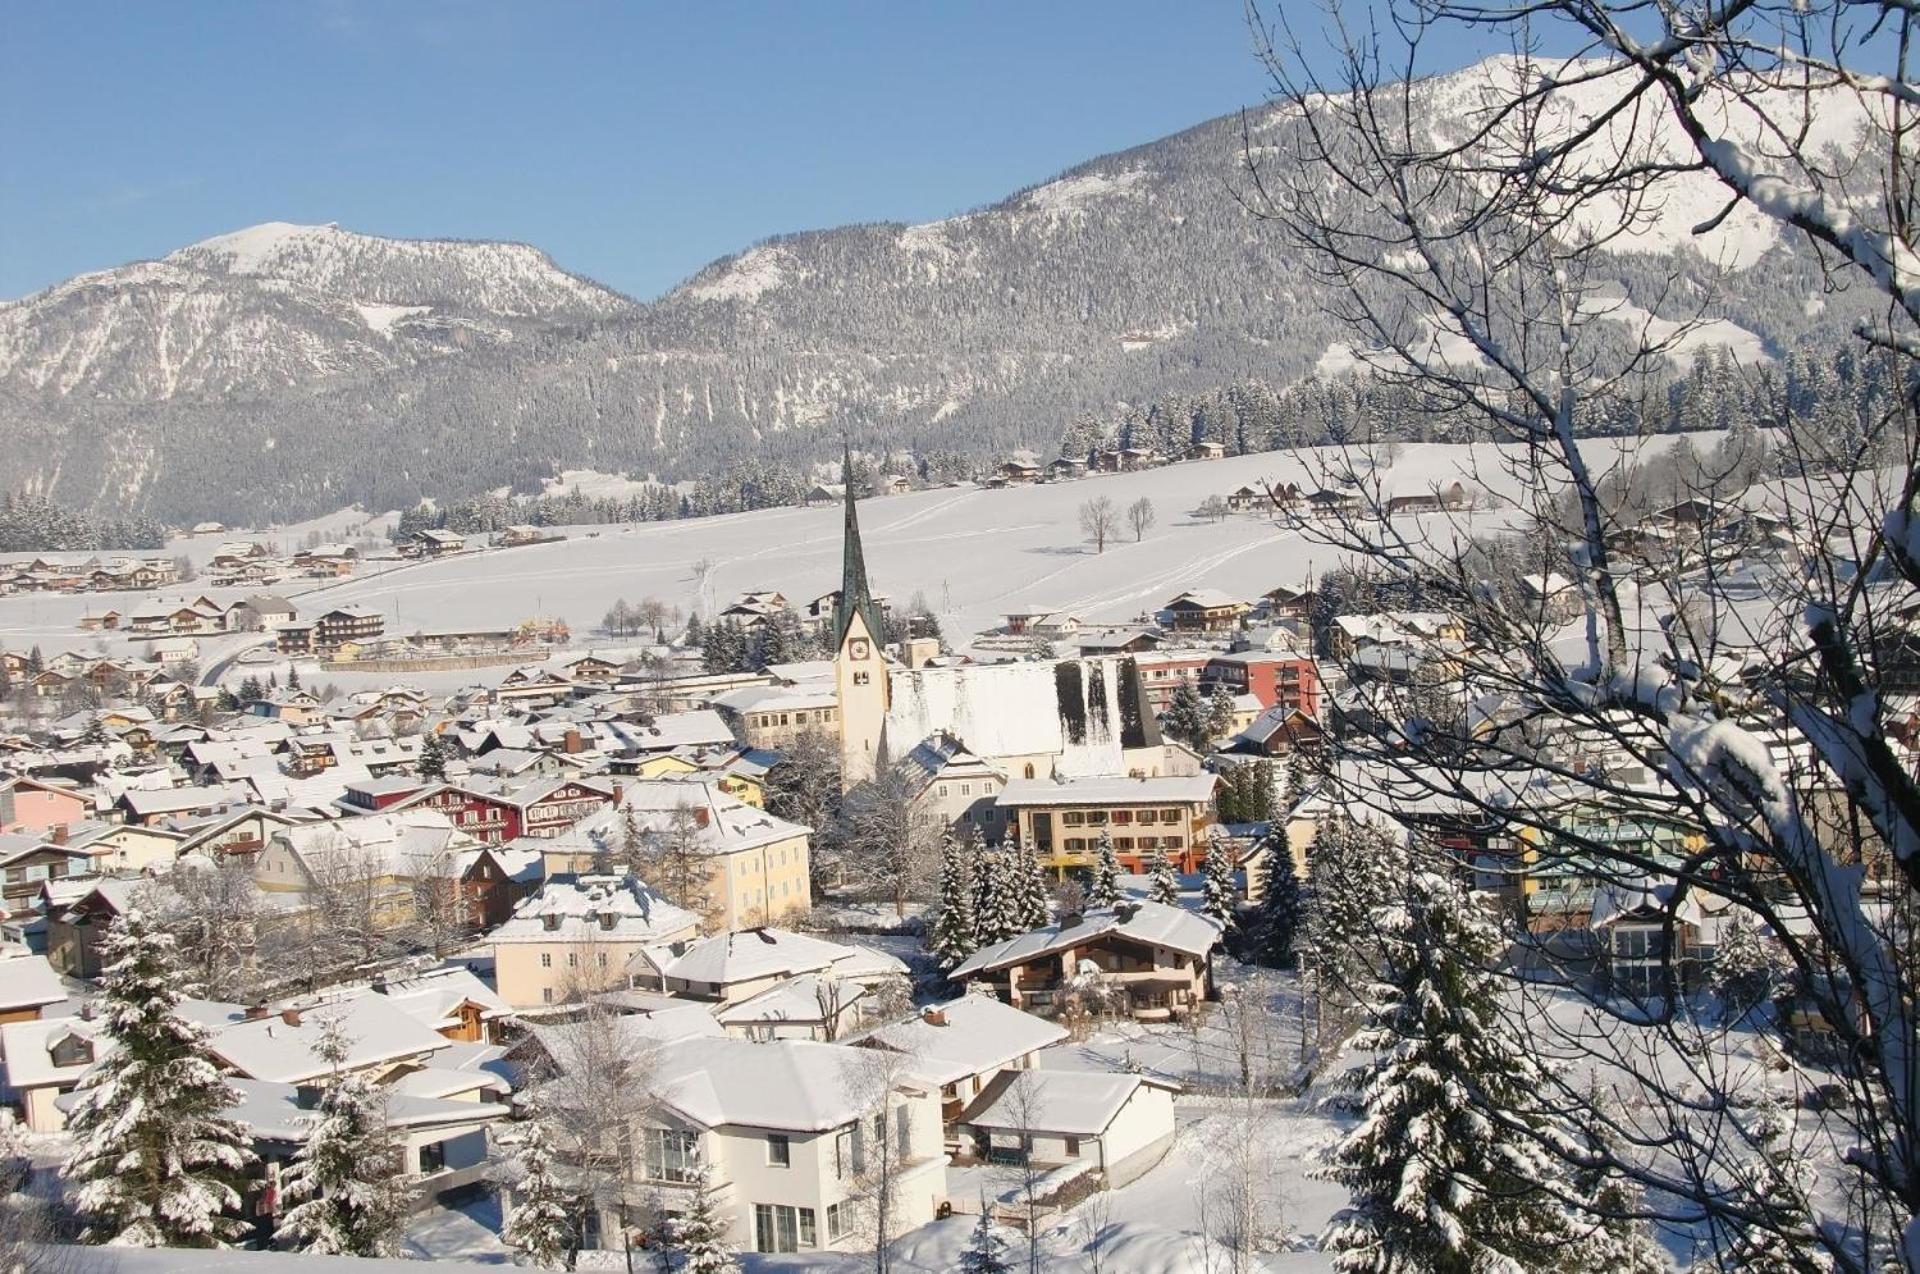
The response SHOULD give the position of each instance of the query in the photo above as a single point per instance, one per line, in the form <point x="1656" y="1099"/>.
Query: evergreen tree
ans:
<point x="540" y="1226"/>
<point x="158" y="1160"/>
<point x="1104" y="889"/>
<point x="1033" y="899"/>
<point x="1162" y="884"/>
<point x="698" y="1236"/>
<point x="1219" y="716"/>
<point x="1447" y="1169"/>
<point x="293" y="676"/>
<point x="1186" y="717"/>
<point x="996" y="913"/>
<point x="251" y="691"/>
<point x="1220" y="893"/>
<point x="95" y="735"/>
<point x="954" y="924"/>
<point x="987" y="1253"/>
<point x="345" y="1188"/>
<point x="1296" y="778"/>
<point x="36" y="662"/>
<point x="1745" y="966"/>
<point x="1278" y="918"/>
<point x="1353" y="868"/>
<point x="432" y="762"/>
<point x="1614" y="1239"/>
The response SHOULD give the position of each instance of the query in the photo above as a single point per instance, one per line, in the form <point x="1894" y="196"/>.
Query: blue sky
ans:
<point x="633" y="141"/>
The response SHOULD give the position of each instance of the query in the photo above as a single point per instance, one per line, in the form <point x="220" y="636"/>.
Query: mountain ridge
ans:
<point x="1130" y="277"/>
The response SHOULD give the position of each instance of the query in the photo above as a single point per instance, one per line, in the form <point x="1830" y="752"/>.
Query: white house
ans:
<point x="1117" y="1125"/>
<point x="964" y="1044"/>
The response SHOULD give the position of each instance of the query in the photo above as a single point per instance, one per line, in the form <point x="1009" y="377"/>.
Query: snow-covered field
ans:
<point x="974" y="553"/>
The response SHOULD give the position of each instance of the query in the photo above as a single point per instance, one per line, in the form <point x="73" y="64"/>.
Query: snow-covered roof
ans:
<point x="272" y="1111"/>
<point x="401" y="843"/>
<point x="1149" y="923"/>
<point x="1071" y="1103"/>
<point x="971" y="1035"/>
<point x="28" y="981"/>
<point x="726" y="959"/>
<point x="725" y="825"/>
<point x="595" y="909"/>
<point x="26" y="1051"/>
<point x="792" y="1085"/>
<point x="272" y="1048"/>
<point x="803" y="999"/>
<point x="1109" y="790"/>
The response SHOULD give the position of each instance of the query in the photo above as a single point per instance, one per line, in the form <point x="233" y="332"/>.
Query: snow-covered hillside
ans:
<point x="974" y="553"/>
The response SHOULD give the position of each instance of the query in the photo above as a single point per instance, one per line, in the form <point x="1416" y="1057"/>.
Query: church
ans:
<point x="1037" y="719"/>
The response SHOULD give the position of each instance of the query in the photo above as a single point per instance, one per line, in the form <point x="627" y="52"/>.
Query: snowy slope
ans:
<point x="974" y="553"/>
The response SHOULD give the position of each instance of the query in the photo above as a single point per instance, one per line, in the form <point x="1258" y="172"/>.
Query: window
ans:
<point x="843" y="1165"/>
<point x="433" y="1157"/>
<point x="966" y="789"/>
<point x="836" y="1221"/>
<point x="1073" y="818"/>
<point x="546" y="995"/>
<point x="1169" y="816"/>
<point x="672" y="1155"/>
<point x="860" y="678"/>
<point x="942" y="791"/>
<point x="1073" y="1147"/>
<point x="546" y="959"/>
<point x="1122" y="816"/>
<point x="779" y="1228"/>
<point x="1097" y="817"/>
<point x="1123" y="842"/>
<point x="1076" y="843"/>
<point x="1029" y="770"/>
<point x="779" y="1150"/>
<point x="573" y="959"/>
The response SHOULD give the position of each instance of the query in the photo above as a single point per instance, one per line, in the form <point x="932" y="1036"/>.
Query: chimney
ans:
<point x="571" y="743"/>
<point x="58" y="834"/>
<point x="256" y="1012"/>
<point x="700" y="816"/>
<point x="290" y="1016"/>
<point x="934" y="1017"/>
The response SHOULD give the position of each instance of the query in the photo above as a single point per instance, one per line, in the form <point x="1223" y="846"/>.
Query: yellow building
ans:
<point x="1062" y="820"/>
<point x="758" y="864"/>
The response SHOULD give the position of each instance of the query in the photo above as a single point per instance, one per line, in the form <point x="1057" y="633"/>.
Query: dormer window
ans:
<point x="550" y="922"/>
<point x="608" y="919"/>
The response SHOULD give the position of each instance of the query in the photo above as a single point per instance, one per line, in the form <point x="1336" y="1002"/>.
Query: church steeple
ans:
<point x="855" y="596"/>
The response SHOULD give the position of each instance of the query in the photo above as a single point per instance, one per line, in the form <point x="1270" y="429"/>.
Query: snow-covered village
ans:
<point x="1335" y="691"/>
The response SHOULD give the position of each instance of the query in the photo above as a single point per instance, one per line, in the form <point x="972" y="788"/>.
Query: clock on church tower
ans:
<point x="859" y="648"/>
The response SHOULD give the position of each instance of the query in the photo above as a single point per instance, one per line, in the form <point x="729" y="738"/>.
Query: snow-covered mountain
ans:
<point x="310" y="367"/>
<point x="279" y="305"/>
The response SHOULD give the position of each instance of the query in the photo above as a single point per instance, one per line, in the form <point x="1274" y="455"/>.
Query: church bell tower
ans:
<point x="859" y="666"/>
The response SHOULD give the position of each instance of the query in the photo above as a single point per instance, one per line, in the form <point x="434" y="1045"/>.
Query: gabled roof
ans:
<point x="792" y="1085"/>
<point x="978" y="1035"/>
<point x="726" y="959"/>
<point x="28" y="981"/>
<point x="581" y="905"/>
<point x="270" y="1048"/>
<point x="1148" y="923"/>
<point x="1072" y="1103"/>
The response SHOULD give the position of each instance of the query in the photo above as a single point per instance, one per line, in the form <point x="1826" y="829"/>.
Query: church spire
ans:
<point x="855" y="596"/>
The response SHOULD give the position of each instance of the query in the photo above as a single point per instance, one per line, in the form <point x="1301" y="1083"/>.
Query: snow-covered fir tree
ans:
<point x="345" y="1188"/>
<point x="1219" y="716"/>
<point x="1186" y="716"/>
<point x="1746" y="965"/>
<point x="954" y="931"/>
<point x="1220" y="892"/>
<point x="432" y="762"/>
<point x="996" y="909"/>
<point x="540" y="1222"/>
<point x="157" y="1160"/>
<point x="1273" y="930"/>
<point x="1104" y="889"/>
<point x="698" y="1237"/>
<point x="1353" y="868"/>
<point x="1447" y="1169"/>
<point x="1033" y="899"/>
<point x="987" y="1253"/>
<point x="1162" y="884"/>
